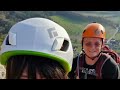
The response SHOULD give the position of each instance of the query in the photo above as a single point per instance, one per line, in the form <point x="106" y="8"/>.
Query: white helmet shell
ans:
<point x="41" y="37"/>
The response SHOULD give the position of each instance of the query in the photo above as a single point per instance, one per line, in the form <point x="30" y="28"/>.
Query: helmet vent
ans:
<point x="101" y="31"/>
<point x="60" y="44"/>
<point x="65" y="45"/>
<point x="94" y="22"/>
<point x="84" y="31"/>
<point x="7" y="40"/>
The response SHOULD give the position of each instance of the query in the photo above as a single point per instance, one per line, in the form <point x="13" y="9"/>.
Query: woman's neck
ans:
<point x="89" y="61"/>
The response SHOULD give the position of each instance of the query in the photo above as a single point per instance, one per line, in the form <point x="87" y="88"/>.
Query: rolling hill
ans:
<point x="73" y="21"/>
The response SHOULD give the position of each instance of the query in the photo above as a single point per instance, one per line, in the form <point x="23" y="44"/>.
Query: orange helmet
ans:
<point x="94" y="30"/>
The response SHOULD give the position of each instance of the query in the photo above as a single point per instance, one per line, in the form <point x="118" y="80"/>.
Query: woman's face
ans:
<point x="92" y="46"/>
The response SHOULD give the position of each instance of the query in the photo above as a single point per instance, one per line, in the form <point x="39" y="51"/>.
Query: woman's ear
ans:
<point x="102" y="45"/>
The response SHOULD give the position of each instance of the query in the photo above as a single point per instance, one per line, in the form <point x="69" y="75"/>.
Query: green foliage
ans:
<point x="2" y="36"/>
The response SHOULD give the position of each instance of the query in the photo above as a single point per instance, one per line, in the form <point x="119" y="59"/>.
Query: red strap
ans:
<point x="99" y="66"/>
<point x="80" y="62"/>
<point x="98" y="69"/>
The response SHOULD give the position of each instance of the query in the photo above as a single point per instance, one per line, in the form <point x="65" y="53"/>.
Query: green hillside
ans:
<point x="75" y="29"/>
<point x="73" y="21"/>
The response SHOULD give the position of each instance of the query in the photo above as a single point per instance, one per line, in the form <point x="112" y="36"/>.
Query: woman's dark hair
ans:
<point x="49" y="69"/>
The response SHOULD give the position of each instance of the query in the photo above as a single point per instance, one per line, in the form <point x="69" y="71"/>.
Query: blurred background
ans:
<point x="73" y="21"/>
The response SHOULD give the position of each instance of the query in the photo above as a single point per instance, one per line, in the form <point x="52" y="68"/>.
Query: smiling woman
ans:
<point x="92" y="47"/>
<point x="90" y="59"/>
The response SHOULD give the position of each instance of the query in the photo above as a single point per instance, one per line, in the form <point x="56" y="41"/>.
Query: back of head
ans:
<point x="39" y="37"/>
<point x="34" y="67"/>
<point x="94" y="30"/>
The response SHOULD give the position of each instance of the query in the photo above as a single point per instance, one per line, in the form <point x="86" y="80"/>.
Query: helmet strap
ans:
<point x="93" y="58"/>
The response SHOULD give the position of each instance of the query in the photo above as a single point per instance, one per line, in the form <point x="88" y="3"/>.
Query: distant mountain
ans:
<point x="73" y="21"/>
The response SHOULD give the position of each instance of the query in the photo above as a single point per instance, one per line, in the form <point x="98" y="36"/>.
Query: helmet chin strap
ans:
<point x="93" y="58"/>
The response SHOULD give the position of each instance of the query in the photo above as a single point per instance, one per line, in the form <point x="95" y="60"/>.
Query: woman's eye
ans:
<point x="88" y="44"/>
<point x="97" y="44"/>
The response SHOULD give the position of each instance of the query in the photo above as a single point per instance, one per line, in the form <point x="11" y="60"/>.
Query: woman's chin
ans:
<point x="92" y="55"/>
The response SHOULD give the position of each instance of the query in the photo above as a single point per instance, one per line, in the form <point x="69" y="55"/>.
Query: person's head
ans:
<point x="93" y="39"/>
<point x="37" y="44"/>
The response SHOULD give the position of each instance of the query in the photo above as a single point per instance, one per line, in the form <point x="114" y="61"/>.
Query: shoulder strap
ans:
<point x="100" y="64"/>
<point x="79" y="65"/>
